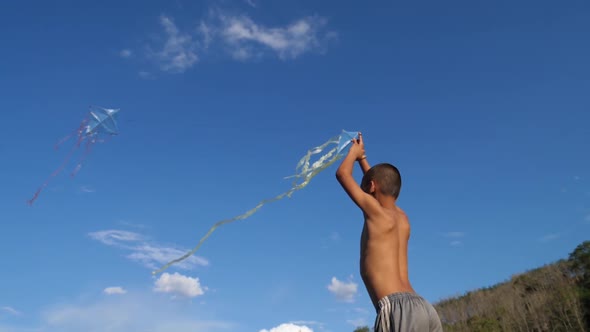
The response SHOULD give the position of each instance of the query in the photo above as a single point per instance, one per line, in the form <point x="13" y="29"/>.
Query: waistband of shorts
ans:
<point x="398" y="296"/>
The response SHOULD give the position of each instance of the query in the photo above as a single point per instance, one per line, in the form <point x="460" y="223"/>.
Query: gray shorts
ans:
<point x="406" y="312"/>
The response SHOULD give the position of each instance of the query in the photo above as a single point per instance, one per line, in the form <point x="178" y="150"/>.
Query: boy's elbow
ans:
<point x="340" y="175"/>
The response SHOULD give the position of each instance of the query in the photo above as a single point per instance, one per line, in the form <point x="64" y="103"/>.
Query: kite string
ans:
<point x="307" y="173"/>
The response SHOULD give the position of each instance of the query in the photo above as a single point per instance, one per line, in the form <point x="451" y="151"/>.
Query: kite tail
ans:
<point x="78" y="132"/>
<point x="307" y="173"/>
<point x="57" y="171"/>
<point x="303" y="164"/>
<point x="87" y="151"/>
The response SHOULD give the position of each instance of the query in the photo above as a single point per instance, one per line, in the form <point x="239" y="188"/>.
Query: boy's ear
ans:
<point x="372" y="188"/>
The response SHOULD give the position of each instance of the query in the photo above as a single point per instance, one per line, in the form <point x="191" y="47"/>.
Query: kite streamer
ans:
<point x="99" y="122"/>
<point x="305" y="171"/>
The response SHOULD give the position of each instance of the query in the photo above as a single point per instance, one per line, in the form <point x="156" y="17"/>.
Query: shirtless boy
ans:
<point x="384" y="246"/>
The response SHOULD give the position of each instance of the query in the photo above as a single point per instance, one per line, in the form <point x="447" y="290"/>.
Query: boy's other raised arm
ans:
<point x="364" y="164"/>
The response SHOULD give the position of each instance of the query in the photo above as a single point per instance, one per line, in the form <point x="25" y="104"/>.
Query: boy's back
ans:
<point x="384" y="247"/>
<point x="383" y="260"/>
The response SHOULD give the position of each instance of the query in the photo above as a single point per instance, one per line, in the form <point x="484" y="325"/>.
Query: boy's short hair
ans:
<point x="387" y="176"/>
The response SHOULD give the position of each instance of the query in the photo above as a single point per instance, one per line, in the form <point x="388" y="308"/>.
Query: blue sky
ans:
<point x="482" y="105"/>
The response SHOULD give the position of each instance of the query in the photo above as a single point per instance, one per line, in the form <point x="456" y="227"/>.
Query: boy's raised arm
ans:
<point x="344" y="175"/>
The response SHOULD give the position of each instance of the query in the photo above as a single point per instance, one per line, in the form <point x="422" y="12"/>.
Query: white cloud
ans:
<point x="344" y="291"/>
<point x="288" y="327"/>
<point x="125" y="53"/>
<point x="178" y="53"/>
<point x="246" y="37"/>
<point x="251" y="3"/>
<point x="178" y="284"/>
<point x="149" y="254"/>
<point x="114" y="291"/>
<point x="456" y="243"/>
<point x="10" y="311"/>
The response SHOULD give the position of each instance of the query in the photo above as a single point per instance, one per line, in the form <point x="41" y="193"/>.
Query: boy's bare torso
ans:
<point x="384" y="254"/>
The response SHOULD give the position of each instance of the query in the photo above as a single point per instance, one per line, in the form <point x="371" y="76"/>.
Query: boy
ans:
<point x="384" y="246"/>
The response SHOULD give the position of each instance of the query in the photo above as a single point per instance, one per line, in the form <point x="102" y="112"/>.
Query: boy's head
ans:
<point x="382" y="177"/>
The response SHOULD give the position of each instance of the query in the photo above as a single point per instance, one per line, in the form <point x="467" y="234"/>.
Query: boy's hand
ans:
<point x="358" y="148"/>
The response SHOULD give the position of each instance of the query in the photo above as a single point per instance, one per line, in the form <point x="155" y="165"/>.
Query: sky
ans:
<point x="482" y="105"/>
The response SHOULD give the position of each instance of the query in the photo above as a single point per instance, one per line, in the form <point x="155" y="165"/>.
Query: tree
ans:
<point x="362" y="329"/>
<point x="580" y="262"/>
<point x="580" y="259"/>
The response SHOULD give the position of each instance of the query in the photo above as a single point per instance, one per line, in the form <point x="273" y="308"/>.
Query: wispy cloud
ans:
<point x="550" y="237"/>
<point x="140" y="312"/>
<point x="206" y="33"/>
<point x="144" y="251"/>
<point x="179" y="51"/>
<point x="247" y="38"/>
<point x="87" y="189"/>
<point x="114" y="291"/>
<point x="146" y="75"/>
<point x="178" y="284"/>
<point x="117" y="238"/>
<point x="455" y="237"/>
<point x="10" y="311"/>
<point x="153" y="256"/>
<point x="335" y="236"/>
<point x="250" y="3"/>
<point x="330" y="239"/>
<point x="125" y="53"/>
<point x="344" y="291"/>
<point x="288" y="327"/>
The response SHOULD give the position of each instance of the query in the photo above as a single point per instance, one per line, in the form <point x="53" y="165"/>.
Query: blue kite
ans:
<point x="99" y="125"/>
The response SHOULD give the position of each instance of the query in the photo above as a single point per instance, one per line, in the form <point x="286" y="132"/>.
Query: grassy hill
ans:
<point x="555" y="297"/>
